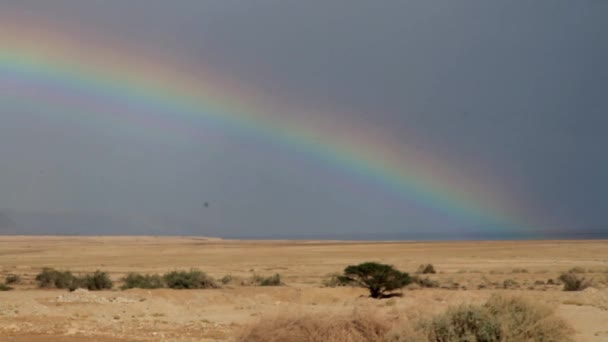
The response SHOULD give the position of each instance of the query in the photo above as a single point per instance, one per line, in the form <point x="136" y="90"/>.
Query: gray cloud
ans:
<point x="515" y="88"/>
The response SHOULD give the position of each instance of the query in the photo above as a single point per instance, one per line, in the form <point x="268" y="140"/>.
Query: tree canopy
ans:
<point x="378" y="278"/>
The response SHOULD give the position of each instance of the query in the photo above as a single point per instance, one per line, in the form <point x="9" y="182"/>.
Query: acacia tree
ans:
<point x="378" y="278"/>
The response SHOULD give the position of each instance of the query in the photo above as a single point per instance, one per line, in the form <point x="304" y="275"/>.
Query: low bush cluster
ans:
<point x="66" y="280"/>
<point x="52" y="278"/>
<point x="142" y="281"/>
<point x="193" y="279"/>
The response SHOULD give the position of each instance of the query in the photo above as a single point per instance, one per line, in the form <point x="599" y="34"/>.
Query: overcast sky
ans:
<point x="517" y="89"/>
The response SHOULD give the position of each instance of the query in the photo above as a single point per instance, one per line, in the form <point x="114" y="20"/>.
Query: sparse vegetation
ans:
<point x="426" y="269"/>
<point x="574" y="282"/>
<point x="142" y="281"/>
<point x="379" y="279"/>
<point x="49" y="277"/>
<point x="274" y="280"/>
<point x="66" y="280"/>
<point x="519" y="270"/>
<point x="226" y="279"/>
<point x="425" y="282"/>
<point x="319" y="327"/>
<point x="577" y="270"/>
<point x="259" y="280"/>
<point x="12" y="279"/>
<point x="193" y="279"/>
<point x="4" y="287"/>
<point x="508" y="283"/>
<point x="96" y="281"/>
<point x="501" y="318"/>
<point x="336" y="280"/>
<point x="464" y="323"/>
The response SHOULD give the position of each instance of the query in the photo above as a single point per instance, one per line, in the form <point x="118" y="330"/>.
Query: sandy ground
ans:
<point x="469" y="272"/>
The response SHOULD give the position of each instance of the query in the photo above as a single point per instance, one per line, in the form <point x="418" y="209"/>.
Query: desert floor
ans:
<point x="469" y="272"/>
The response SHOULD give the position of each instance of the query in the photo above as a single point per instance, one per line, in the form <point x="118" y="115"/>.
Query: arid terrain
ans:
<point x="468" y="272"/>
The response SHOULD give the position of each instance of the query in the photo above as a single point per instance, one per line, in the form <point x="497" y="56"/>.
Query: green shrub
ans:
<point x="12" y="279"/>
<point x="426" y="269"/>
<point x="4" y="287"/>
<point x="193" y="279"/>
<point x="574" y="282"/>
<point x="274" y="280"/>
<point x="49" y="277"/>
<point x="142" y="281"/>
<point x="379" y="279"/>
<point x="96" y="281"/>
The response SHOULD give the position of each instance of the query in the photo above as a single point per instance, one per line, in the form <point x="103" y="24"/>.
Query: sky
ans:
<point x="509" y="95"/>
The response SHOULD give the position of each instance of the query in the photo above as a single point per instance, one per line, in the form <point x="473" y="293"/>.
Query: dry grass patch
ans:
<point x="500" y="319"/>
<point x="317" y="327"/>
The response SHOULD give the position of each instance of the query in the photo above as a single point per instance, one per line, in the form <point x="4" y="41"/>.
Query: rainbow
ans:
<point x="75" y="73"/>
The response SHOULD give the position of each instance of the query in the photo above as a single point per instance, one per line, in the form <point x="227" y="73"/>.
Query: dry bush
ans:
<point x="425" y="282"/>
<point x="274" y="280"/>
<point x="464" y="323"/>
<point x="336" y="280"/>
<point x="318" y="327"/>
<point x="574" y="282"/>
<point x="527" y="321"/>
<point x="259" y="280"/>
<point x="426" y="269"/>
<point x="12" y="279"/>
<point x="4" y="287"/>
<point x="500" y="319"/>
<point x="577" y="269"/>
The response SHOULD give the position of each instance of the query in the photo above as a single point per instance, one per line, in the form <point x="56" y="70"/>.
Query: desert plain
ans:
<point x="467" y="272"/>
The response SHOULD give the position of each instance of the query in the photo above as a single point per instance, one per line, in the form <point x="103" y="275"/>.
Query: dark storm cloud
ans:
<point x="515" y="88"/>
